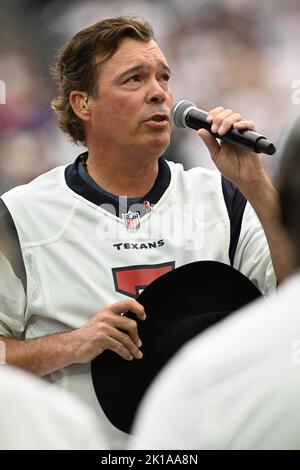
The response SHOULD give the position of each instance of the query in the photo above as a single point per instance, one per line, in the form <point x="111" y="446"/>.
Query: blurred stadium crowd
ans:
<point x="234" y="53"/>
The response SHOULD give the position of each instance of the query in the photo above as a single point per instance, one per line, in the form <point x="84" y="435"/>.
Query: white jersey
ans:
<point x="235" y="386"/>
<point x="79" y="256"/>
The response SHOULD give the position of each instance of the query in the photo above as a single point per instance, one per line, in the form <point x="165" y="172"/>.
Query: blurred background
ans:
<point x="232" y="53"/>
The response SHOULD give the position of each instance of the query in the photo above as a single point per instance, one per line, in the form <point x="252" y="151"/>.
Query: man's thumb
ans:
<point x="210" y="142"/>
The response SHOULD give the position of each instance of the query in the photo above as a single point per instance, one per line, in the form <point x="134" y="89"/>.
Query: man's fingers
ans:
<point x="128" y="325"/>
<point x="120" y="343"/>
<point x="223" y="119"/>
<point x="128" y="304"/>
<point x="219" y="118"/>
<point x="127" y="342"/>
<point x="248" y="125"/>
<point x="228" y="122"/>
<point x="213" y="112"/>
<point x="118" y="348"/>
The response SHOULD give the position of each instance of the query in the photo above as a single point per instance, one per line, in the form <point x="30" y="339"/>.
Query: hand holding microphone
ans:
<point x="186" y="114"/>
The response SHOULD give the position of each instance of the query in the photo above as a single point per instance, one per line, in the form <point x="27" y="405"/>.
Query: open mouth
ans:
<point x="158" y="118"/>
<point x="163" y="118"/>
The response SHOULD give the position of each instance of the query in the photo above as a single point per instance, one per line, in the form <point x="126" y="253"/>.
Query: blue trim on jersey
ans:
<point x="235" y="203"/>
<point x="10" y="244"/>
<point x="97" y="196"/>
<point x="89" y="180"/>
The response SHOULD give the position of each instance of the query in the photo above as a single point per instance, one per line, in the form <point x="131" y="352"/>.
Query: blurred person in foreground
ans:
<point x="237" y="385"/>
<point x="36" y="416"/>
<point x="77" y="227"/>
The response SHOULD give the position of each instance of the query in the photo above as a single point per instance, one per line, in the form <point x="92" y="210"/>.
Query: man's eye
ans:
<point x="134" y="78"/>
<point x="165" y="77"/>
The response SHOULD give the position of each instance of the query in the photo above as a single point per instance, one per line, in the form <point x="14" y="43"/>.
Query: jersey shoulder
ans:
<point x="40" y="208"/>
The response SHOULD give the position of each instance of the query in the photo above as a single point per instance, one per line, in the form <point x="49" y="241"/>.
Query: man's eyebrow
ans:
<point x="142" y="67"/>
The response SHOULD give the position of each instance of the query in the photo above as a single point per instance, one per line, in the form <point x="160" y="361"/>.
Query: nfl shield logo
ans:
<point x="131" y="220"/>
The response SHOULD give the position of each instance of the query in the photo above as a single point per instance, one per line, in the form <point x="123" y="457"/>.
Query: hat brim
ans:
<point x="179" y="305"/>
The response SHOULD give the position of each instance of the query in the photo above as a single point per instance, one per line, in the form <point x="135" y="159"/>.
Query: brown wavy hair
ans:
<point x="75" y="65"/>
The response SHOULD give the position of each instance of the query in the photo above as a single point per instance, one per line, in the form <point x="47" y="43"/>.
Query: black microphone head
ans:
<point x="178" y="110"/>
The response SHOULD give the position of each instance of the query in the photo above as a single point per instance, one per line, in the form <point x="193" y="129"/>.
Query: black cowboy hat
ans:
<point x="178" y="305"/>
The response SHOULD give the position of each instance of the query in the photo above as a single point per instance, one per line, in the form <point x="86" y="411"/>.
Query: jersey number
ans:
<point x="131" y="280"/>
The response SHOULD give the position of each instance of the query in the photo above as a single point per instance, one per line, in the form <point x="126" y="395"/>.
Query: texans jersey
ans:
<point x="77" y="248"/>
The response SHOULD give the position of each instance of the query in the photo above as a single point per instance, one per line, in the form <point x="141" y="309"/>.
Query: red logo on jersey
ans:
<point x="131" y="280"/>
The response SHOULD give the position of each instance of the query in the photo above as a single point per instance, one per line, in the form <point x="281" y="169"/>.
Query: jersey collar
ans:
<point x="80" y="186"/>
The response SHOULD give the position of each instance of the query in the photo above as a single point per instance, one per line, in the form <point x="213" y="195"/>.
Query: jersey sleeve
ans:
<point x="12" y="278"/>
<point x="12" y="301"/>
<point x="252" y="255"/>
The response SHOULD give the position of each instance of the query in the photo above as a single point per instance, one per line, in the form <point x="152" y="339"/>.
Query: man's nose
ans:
<point x="156" y="93"/>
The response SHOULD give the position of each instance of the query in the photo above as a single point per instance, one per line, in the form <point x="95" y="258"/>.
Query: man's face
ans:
<point x="134" y="100"/>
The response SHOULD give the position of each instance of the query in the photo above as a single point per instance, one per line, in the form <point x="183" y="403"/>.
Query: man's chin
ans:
<point x="160" y="144"/>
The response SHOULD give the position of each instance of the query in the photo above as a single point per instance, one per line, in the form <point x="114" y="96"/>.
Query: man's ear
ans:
<point x="79" y="103"/>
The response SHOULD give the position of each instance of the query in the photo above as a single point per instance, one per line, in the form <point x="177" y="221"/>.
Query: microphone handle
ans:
<point x="246" y="139"/>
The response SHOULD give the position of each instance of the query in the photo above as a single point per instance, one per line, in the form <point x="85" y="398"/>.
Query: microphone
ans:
<point x="186" y="114"/>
